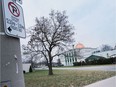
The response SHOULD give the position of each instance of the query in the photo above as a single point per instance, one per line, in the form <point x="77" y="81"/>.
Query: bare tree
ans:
<point x="31" y="56"/>
<point x="50" y="35"/>
<point x="106" y="48"/>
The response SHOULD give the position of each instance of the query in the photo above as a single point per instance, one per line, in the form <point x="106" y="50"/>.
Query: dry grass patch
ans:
<point x="65" y="78"/>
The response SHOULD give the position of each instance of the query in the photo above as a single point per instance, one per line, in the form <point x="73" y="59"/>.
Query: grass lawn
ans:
<point x="65" y="78"/>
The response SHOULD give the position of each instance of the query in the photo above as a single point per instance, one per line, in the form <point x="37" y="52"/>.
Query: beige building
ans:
<point x="78" y="53"/>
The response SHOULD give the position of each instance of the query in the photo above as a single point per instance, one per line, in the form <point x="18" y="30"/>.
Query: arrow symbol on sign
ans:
<point x="9" y="29"/>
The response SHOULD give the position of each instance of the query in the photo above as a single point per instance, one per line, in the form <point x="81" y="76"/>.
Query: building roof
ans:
<point x="80" y="46"/>
<point x="94" y="57"/>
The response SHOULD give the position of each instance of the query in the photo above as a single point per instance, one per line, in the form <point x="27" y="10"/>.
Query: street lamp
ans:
<point x="74" y="53"/>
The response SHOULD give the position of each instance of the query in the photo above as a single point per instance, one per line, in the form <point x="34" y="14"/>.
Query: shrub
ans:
<point x="30" y="69"/>
<point x="96" y="62"/>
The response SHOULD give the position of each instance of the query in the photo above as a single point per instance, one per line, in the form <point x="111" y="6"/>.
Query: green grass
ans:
<point x="65" y="78"/>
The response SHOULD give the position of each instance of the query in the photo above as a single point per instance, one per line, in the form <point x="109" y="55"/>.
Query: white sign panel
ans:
<point x="19" y="1"/>
<point x="13" y="19"/>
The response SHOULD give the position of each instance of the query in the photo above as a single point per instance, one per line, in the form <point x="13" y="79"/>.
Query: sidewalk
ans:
<point x="110" y="82"/>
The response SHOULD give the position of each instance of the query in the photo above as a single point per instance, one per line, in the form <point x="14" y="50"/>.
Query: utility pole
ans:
<point x="11" y="72"/>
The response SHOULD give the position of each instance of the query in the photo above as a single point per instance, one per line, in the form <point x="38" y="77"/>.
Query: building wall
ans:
<point x="75" y="55"/>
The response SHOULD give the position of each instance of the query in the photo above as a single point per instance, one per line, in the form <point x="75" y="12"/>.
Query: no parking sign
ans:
<point x="13" y="19"/>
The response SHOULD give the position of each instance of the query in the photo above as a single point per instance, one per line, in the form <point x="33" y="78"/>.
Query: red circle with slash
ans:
<point x="13" y="9"/>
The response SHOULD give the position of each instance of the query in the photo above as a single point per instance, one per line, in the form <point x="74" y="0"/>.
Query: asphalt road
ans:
<point x="100" y="67"/>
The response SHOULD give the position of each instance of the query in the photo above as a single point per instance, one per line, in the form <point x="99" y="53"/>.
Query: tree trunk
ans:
<point x="32" y="65"/>
<point x="50" y="69"/>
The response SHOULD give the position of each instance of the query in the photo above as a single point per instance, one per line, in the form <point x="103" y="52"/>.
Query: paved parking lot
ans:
<point x="99" y="67"/>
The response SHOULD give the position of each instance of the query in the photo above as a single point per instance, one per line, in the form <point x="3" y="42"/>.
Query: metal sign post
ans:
<point x="11" y="72"/>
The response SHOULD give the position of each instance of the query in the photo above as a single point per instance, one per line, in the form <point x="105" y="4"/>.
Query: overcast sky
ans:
<point x="94" y="20"/>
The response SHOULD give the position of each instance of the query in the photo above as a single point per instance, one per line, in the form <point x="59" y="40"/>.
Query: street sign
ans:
<point x="13" y="19"/>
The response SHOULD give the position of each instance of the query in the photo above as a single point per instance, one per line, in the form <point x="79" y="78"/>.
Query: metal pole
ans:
<point x="11" y="72"/>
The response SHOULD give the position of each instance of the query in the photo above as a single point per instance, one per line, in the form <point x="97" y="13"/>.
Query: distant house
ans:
<point x="77" y="54"/>
<point x="80" y="53"/>
<point x="106" y="54"/>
